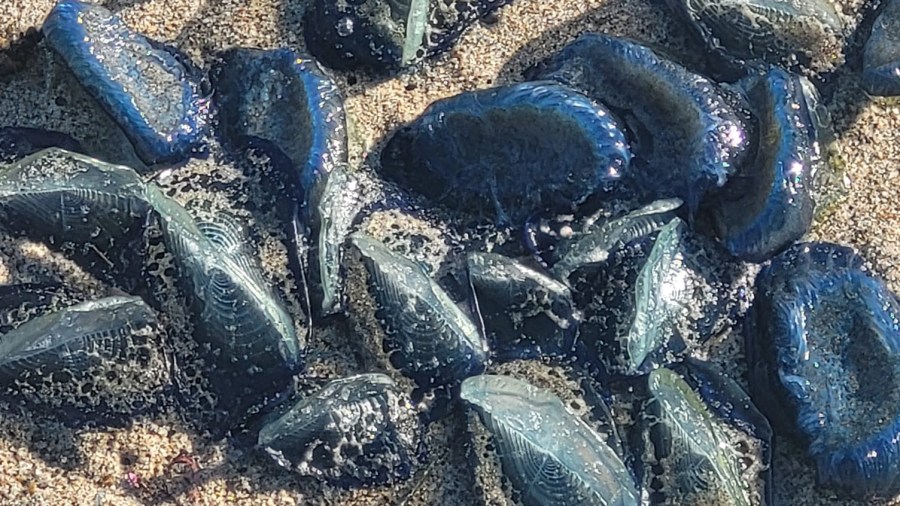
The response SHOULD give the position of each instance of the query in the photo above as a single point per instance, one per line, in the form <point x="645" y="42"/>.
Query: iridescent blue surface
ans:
<point x="881" y="57"/>
<point x="505" y="153"/>
<point x="153" y="96"/>
<point x="697" y="130"/>
<point x="769" y="205"/>
<point x="281" y="100"/>
<point x="824" y="350"/>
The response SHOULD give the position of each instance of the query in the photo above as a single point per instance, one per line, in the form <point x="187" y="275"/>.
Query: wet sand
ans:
<point x="44" y="463"/>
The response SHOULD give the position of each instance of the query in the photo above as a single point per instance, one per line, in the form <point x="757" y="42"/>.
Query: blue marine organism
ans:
<point x="410" y="323"/>
<point x="280" y="101"/>
<point x="769" y="204"/>
<point x="549" y="455"/>
<point x="21" y="302"/>
<point x="18" y="142"/>
<point x="704" y="442"/>
<point x="881" y="56"/>
<point x="598" y="239"/>
<point x="382" y="35"/>
<point x="506" y="153"/>
<point x="253" y="346"/>
<point x="149" y="90"/>
<point x="334" y="206"/>
<point x="823" y="346"/>
<point x="525" y="313"/>
<point x="68" y="197"/>
<point x="780" y="32"/>
<point x="100" y="360"/>
<point x="689" y="135"/>
<point x="356" y="431"/>
<point x="655" y="297"/>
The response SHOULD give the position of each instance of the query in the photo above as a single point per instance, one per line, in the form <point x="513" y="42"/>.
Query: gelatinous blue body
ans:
<point x="704" y="442"/>
<point x="698" y="134"/>
<point x="823" y="345"/>
<point x="769" y="204"/>
<point x="426" y="336"/>
<point x="509" y="152"/>
<point x="356" y="431"/>
<point x="525" y="313"/>
<point x="19" y="142"/>
<point x="549" y="455"/>
<point x="280" y="100"/>
<point x="153" y="96"/>
<point x="881" y="57"/>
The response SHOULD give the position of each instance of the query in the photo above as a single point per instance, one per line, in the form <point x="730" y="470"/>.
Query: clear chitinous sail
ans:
<point x="659" y="291"/>
<point x="525" y="313"/>
<point x="599" y="239"/>
<point x="250" y="333"/>
<point x="549" y="455"/>
<point x="356" y="431"/>
<point x="100" y="360"/>
<point x="65" y="196"/>
<point x="417" y="328"/>
<point x="695" y="454"/>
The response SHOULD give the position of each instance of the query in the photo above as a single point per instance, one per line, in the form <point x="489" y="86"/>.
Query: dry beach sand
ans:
<point x="43" y="463"/>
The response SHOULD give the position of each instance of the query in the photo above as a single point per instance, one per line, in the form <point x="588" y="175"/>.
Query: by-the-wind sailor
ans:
<point x="381" y="35"/>
<point x="356" y="431"/>
<point x="251" y="337"/>
<point x="334" y="205"/>
<point x="654" y="297"/>
<point x="704" y="443"/>
<point x="689" y="134"/>
<point x="776" y="30"/>
<point x="549" y="455"/>
<point x="596" y="243"/>
<point x="509" y="152"/>
<point x="154" y="96"/>
<point x="408" y="320"/>
<point x="279" y="100"/>
<point x="18" y="142"/>
<point x="824" y="353"/>
<point x="101" y="358"/>
<point x="881" y="56"/>
<point x="65" y="196"/>
<point x="769" y="204"/>
<point x="525" y="313"/>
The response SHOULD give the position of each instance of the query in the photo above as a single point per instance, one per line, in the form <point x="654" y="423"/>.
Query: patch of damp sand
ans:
<point x="44" y="463"/>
